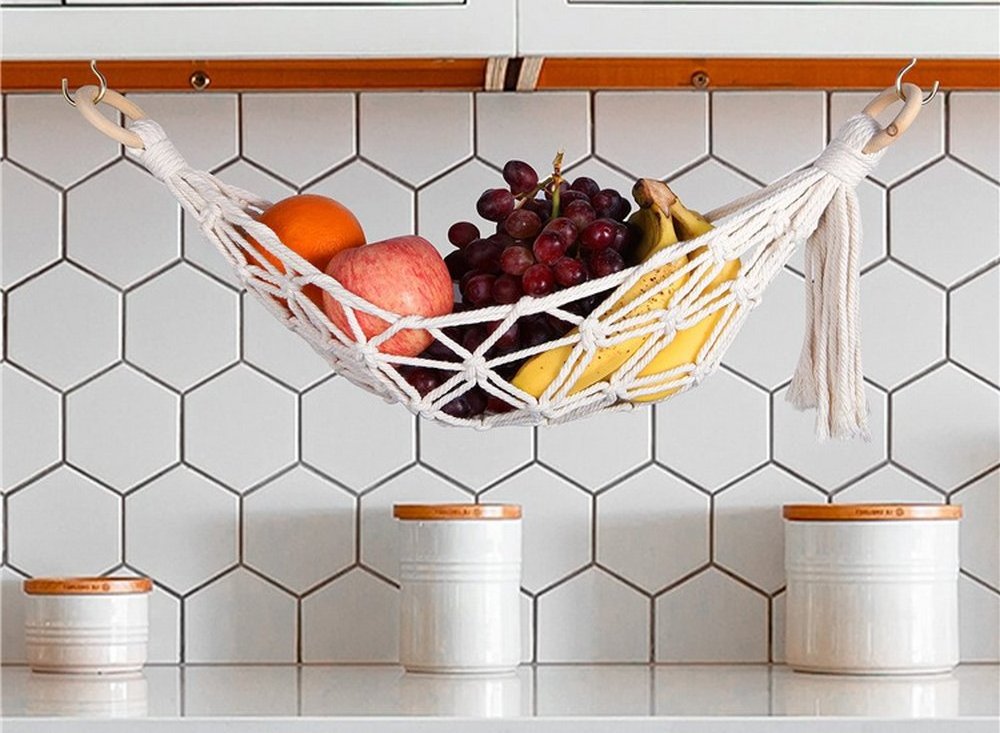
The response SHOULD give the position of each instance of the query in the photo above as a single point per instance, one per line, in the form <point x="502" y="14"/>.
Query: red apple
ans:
<point x="403" y="275"/>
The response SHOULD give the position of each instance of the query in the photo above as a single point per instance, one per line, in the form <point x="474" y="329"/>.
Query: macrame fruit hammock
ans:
<point x="663" y="326"/>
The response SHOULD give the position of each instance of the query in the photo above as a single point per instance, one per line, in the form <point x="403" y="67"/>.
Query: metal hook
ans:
<point x="899" y="84"/>
<point x="100" y="93"/>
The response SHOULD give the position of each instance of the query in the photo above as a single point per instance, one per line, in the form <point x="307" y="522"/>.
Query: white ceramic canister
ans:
<point x="87" y="625"/>
<point x="460" y="581"/>
<point x="872" y="588"/>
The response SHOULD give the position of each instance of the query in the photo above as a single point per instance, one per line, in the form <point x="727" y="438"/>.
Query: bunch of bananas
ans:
<point x="663" y="221"/>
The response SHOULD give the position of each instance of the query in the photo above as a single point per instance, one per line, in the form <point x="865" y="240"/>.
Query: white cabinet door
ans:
<point x="205" y="29"/>
<point x="803" y="28"/>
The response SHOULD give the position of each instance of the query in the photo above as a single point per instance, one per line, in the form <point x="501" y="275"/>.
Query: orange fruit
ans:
<point x="314" y="227"/>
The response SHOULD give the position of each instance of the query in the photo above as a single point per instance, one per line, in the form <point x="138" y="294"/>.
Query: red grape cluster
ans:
<point x="549" y="235"/>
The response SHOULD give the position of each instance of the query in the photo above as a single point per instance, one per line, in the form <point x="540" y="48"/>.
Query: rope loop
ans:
<point x="844" y="158"/>
<point x="476" y="371"/>
<point x="159" y="155"/>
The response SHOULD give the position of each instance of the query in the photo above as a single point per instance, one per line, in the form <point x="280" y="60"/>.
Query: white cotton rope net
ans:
<point x="816" y="205"/>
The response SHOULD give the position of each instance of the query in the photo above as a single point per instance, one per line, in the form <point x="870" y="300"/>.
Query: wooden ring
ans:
<point x="85" y="97"/>
<point x="892" y="132"/>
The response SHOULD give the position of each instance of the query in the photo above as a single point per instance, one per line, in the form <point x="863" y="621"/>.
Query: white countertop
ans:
<point x="564" y="698"/>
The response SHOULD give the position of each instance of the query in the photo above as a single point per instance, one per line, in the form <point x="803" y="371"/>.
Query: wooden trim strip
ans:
<point x="469" y="74"/>
<point x="757" y="73"/>
<point x="250" y="74"/>
<point x="869" y="512"/>
<point x="86" y="586"/>
<point x="432" y="512"/>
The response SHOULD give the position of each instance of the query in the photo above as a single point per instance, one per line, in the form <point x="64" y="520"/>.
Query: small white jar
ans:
<point x="872" y="588"/>
<point x="460" y="581"/>
<point x="87" y="625"/>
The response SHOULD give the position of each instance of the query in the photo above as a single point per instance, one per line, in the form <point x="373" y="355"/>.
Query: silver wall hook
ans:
<point x="899" y="84"/>
<point x="100" y="93"/>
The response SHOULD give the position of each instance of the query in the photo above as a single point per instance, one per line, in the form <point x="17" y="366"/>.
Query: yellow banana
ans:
<point x="657" y="226"/>
<point x="686" y="344"/>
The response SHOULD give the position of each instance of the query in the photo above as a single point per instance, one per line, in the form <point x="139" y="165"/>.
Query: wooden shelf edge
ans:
<point x="249" y="74"/>
<point x="758" y="73"/>
<point x="469" y="74"/>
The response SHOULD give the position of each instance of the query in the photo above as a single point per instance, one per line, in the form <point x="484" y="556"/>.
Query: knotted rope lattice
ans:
<point x="817" y="205"/>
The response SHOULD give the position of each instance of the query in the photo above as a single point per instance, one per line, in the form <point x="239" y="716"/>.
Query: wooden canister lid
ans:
<point x="437" y="512"/>
<point x="86" y="586"/>
<point x="869" y="512"/>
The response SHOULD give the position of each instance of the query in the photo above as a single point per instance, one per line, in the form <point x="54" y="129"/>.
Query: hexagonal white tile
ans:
<point x="181" y="326"/>
<point x="260" y="622"/>
<point x="384" y="207"/>
<point x="533" y="128"/>
<point x="714" y="433"/>
<point x="181" y="529"/>
<point x="711" y="618"/>
<point x="974" y="324"/>
<point x="556" y="524"/>
<point x="277" y="350"/>
<point x="902" y="324"/>
<point x="599" y="449"/>
<point x="569" y="613"/>
<point x="652" y="528"/>
<point x="944" y="427"/>
<point x="202" y="127"/>
<point x="887" y="485"/>
<point x="453" y="198"/>
<point x="778" y="322"/>
<point x="62" y="149"/>
<point x="923" y="141"/>
<point x="979" y="619"/>
<point x="787" y="134"/>
<point x="651" y="134"/>
<point x="749" y="531"/>
<point x="240" y="427"/>
<point x="30" y="224"/>
<point x="32" y="427"/>
<point x="438" y="132"/>
<point x="920" y="231"/>
<point x="710" y="185"/>
<point x="353" y="619"/>
<point x="122" y="427"/>
<point x="973" y="129"/>
<point x="298" y="136"/>
<point x="476" y="458"/>
<point x="61" y="307"/>
<point x="342" y="425"/>
<point x="46" y="531"/>
<point x="527" y="628"/>
<point x="874" y="216"/>
<point x="312" y="522"/>
<point x="379" y="548"/>
<point x="14" y="604"/>
<point x="830" y="464"/>
<point x="199" y="250"/>
<point x="980" y="503"/>
<point x="164" y="627"/>
<point x="136" y="202"/>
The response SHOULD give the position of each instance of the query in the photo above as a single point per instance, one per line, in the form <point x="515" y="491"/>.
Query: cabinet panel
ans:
<point x="811" y="28"/>
<point x="255" y="29"/>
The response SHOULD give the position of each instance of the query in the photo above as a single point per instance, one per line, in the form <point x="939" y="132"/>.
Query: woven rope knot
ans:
<point x="476" y="370"/>
<point x="745" y="292"/>
<point x="591" y="334"/>
<point x="159" y="155"/>
<point x="844" y="158"/>
<point x="668" y="322"/>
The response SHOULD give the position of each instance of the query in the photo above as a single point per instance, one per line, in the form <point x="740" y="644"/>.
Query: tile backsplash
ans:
<point x="157" y="420"/>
